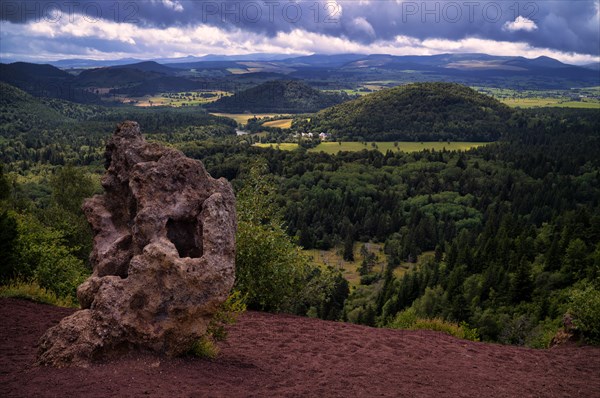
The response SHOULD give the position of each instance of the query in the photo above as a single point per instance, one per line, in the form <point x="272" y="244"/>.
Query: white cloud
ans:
<point x="130" y="40"/>
<point x="173" y="4"/>
<point x="361" y="24"/>
<point x="80" y="27"/>
<point x="520" y="23"/>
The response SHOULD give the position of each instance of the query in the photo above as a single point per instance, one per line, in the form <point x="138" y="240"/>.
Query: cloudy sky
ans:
<point x="111" y="29"/>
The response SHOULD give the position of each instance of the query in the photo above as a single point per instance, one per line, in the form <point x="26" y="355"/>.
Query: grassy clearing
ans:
<point x="237" y="71"/>
<point x="184" y="98"/>
<point x="242" y="118"/>
<point x="374" y="87"/>
<point x="350" y="91"/>
<point x="33" y="292"/>
<point x="550" y="102"/>
<point x="333" y="257"/>
<point x="403" y="146"/>
<point x="285" y="146"/>
<point x="583" y="97"/>
<point x="281" y="123"/>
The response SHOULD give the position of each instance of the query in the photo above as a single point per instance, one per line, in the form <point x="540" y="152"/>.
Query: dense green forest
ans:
<point x="416" y="112"/>
<point x="52" y="131"/>
<point x="504" y="238"/>
<point x="513" y="226"/>
<point x="278" y="96"/>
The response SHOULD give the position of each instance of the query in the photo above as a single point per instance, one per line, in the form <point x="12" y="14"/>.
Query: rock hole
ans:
<point x="132" y="210"/>
<point x="138" y="301"/>
<point x="186" y="235"/>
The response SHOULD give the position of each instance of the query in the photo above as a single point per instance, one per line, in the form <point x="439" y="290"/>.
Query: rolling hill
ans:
<point x="124" y="74"/>
<point x="148" y="66"/>
<point x="114" y="76"/>
<point x="45" y="81"/>
<point x="21" y="112"/>
<point x="278" y="96"/>
<point x="419" y="111"/>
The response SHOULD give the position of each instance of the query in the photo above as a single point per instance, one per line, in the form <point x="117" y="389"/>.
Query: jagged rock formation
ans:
<point x="163" y="256"/>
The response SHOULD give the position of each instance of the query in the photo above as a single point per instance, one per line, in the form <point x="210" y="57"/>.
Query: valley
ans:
<point x="300" y="199"/>
<point x="374" y="195"/>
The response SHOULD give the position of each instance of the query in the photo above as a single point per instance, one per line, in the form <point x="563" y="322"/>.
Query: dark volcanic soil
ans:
<point x="277" y="355"/>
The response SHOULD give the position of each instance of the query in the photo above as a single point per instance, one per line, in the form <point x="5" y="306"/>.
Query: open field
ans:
<point x="242" y="118"/>
<point x="550" y="102"/>
<point x="583" y="97"/>
<point x="186" y="98"/>
<point x="333" y="257"/>
<point x="374" y="87"/>
<point x="284" y="146"/>
<point x="281" y="123"/>
<point x="237" y="71"/>
<point x="403" y="146"/>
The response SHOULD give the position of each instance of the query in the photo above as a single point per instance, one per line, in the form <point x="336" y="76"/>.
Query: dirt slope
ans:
<point x="277" y="355"/>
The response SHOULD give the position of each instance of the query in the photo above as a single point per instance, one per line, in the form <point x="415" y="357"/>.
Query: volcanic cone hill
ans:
<point x="420" y="111"/>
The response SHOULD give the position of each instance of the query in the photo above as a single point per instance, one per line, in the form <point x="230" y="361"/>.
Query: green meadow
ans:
<point x="281" y="123"/>
<point x="538" y="102"/>
<point x="242" y="118"/>
<point x="403" y="146"/>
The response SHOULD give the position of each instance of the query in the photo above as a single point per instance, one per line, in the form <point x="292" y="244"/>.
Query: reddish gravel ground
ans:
<point x="287" y="356"/>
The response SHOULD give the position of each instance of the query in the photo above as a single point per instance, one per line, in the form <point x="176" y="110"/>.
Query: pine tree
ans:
<point x="349" y="248"/>
<point x="521" y="284"/>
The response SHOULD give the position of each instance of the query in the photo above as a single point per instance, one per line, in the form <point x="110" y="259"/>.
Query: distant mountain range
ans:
<point x="592" y="66"/>
<point x="76" y="81"/>
<point x="92" y="63"/>
<point x="321" y="60"/>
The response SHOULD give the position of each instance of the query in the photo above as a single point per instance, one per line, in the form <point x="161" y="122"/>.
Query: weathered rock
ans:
<point x="163" y="256"/>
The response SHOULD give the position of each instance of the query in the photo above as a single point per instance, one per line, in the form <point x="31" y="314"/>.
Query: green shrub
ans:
<point x="271" y="270"/>
<point x="585" y="308"/>
<point x="204" y="347"/>
<point x="230" y="310"/>
<point x="324" y="295"/>
<point x="404" y="320"/>
<point x="408" y="320"/>
<point x="44" y="257"/>
<point x="541" y="336"/>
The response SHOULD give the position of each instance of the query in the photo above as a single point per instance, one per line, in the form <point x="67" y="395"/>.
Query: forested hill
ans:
<point x="45" y="81"/>
<point x="281" y="96"/>
<point x="419" y="111"/>
<point x="34" y="129"/>
<point x="20" y="112"/>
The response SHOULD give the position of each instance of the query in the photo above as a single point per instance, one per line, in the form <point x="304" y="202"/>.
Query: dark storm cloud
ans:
<point x="569" y="26"/>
